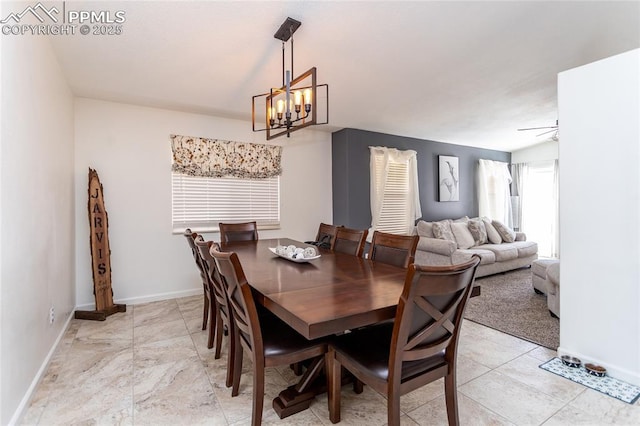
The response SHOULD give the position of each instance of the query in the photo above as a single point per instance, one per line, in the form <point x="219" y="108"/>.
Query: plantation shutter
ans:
<point x="395" y="203"/>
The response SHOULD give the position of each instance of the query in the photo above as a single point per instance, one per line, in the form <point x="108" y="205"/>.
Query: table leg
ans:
<point x="298" y="397"/>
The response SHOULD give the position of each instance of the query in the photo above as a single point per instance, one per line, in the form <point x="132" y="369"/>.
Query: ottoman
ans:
<point x="553" y="289"/>
<point x="539" y="274"/>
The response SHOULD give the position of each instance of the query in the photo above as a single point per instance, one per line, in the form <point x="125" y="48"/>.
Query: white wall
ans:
<point x="599" y="108"/>
<point x="540" y="152"/>
<point x="37" y="240"/>
<point x="129" y="147"/>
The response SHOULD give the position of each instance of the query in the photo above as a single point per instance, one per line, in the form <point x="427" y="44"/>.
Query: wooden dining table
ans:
<point x="325" y="296"/>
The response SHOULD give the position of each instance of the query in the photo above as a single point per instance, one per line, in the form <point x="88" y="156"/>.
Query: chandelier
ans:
<point x="294" y="105"/>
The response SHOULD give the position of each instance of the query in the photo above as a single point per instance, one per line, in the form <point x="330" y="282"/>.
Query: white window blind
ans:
<point x="200" y="203"/>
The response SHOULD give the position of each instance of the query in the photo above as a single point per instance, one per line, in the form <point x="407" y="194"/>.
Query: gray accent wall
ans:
<point x="350" y="156"/>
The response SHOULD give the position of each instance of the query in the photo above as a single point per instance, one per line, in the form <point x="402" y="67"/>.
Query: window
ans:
<point x="200" y="203"/>
<point x="395" y="203"/>
<point x="540" y="207"/>
<point x="215" y="181"/>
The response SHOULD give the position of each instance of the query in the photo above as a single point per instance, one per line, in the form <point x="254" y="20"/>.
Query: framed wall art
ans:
<point x="449" y="178"/>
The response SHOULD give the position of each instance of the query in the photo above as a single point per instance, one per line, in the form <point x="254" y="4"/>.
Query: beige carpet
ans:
<point x="508" y="303"/>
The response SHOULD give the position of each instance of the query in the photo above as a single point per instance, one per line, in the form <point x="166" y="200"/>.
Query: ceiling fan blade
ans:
<point x="538" y="128"/>
<point x="548" y="131"/>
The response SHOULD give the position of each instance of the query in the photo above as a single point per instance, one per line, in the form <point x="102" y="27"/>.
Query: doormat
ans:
<point x="607" y="385"/>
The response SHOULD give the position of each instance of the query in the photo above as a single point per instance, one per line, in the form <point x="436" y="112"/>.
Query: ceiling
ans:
<point x="467" y="73"/>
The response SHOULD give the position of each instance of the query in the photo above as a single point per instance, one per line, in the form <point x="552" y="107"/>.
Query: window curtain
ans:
<point x="381" y="181"/>
<point x="203" y="157"/>
<point x="518" y="173"/>
<point x="494" y="196"/>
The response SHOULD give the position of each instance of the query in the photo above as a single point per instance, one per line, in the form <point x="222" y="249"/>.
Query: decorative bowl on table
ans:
<point x="296" y="254"/>
<point x="570" y="361"/>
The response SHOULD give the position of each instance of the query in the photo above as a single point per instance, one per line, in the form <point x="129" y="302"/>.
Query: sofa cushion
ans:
<point x="434" y="245"/>
<point x="506" y="251"/>
<point x="492" y="234"/>
<point x="486" y="256"/>
<point x="526" y="248"/>
<point x="425" y="229"/>
<point x="507" y="234"/>
<point x="539" y="267"/>
<point x="442" y="230"/>
<point x="478" y="232"/>
<point x="463" y="236"/>
<point x="463" y="219"/>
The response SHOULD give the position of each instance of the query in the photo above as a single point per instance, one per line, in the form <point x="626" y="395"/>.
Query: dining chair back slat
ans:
<point x="326" y="233"/>
<point x="349" y="241"/>
<point x="247" y="231"/>
<point x="398" y="250"/>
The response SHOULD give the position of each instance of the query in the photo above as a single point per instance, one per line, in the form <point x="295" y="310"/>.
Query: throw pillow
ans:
<point x="463" y="219"/>
<point x="425" y="229"/>
<point x="507" y="234"/>
<point x="463" y="236"/>
<point x="478" y="232"/>
<point x="492" y="233"/>
<point x="442" y="230"/>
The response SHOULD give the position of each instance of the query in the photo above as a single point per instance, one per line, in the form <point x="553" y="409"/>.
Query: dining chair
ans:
<point x="326" y="233"/>
<point x="349" y="241"/>
<point x="247" y="231"/>
<point x="419" y="347"/>
<point x="219" y="309"/>
<point x="191" y="236"/>
<point x="268" y="341"/>
<point x="398" y="250"/>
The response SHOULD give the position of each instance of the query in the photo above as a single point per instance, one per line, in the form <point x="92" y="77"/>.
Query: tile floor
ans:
<point x="151" y="366"/>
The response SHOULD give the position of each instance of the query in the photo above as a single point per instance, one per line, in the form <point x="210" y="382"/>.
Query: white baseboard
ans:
<point x="632" y="377"/>
<point x="148" y="298"/>
<point x="28" y="396"/>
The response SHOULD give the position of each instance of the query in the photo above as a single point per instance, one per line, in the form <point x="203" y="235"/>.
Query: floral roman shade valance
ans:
<point x="215" y="158"/>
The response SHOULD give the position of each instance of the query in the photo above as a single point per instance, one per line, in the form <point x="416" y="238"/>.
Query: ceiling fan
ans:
<point x="553" y="129"/>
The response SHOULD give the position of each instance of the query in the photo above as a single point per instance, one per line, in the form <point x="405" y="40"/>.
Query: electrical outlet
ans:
<point x="52" y="315"/>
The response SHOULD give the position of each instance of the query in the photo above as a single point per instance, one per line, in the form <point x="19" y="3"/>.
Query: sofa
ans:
<point x="449" y="242"/>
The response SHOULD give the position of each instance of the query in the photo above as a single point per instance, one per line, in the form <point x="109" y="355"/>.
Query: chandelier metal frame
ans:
<point x="294" y="105"/>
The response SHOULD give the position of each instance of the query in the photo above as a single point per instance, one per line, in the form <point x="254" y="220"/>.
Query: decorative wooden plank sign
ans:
<point x="100" y="254"/>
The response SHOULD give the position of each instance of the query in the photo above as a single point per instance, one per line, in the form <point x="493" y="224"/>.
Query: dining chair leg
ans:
<point x="334" y="381"/>
<point x="231" y="358"/>
<point x="258" y="393"/>
<point x="451" y="397"/>
<point x="237" y="366"/>
<point x="205" y="313"/>
<point x="393" y="408"/>
<point x="213" y="308"/>
<point x="358" y="386"/>
<point x="297" y="368"/>
<point x="219" y="332"/>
